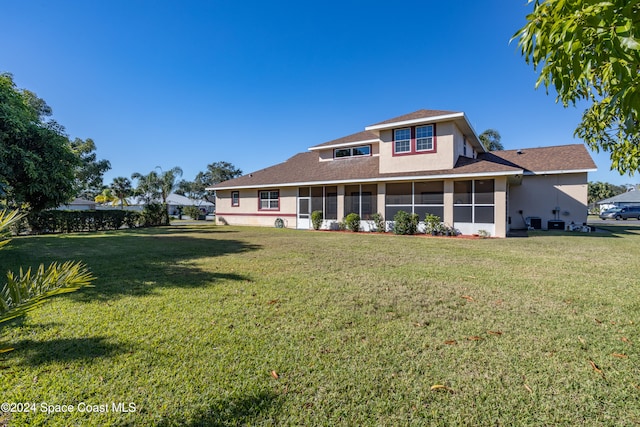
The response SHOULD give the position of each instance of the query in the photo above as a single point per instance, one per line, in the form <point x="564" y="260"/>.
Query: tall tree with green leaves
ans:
<point x="216" y="172"/>
<point x="147" y="187"/>
<point x="38" y="162"/>
<point x="490" y="138"/>
<point x="121" y="188"/>
<point x="597" y="191"/>
<point x="90" y="172"/>
<point x="589" y="50"/>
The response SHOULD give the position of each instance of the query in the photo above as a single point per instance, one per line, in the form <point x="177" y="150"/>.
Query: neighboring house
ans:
<point x="174" y="201"/>
<point x="630" y="198"/>
<point x="424" y="162"/>
<point x="78" y="205"/>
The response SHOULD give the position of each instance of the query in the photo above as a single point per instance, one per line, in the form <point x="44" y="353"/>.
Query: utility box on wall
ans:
<point x="555" y="224"/>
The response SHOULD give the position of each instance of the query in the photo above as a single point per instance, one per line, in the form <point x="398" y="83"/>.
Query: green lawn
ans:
<point x="204" y="325"/>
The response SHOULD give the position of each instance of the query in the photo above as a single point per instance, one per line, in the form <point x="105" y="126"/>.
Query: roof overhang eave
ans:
<point x="557" y="172"/>
<point x="346" y="144"/>
<point x="376" y="179"/>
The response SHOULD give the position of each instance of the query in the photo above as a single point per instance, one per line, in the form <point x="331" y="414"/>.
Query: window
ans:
<point x="474" y="201"/>
<point x="363" y="150"/>
<point x="424" y="138"/>
<point x="235" y="198"/>
<point x="331" y="203"/>
<point x="415" y="197"/>
<point x="269" y="200"/>
<point x="361" y="199"/>
<point x="414" y="140"/>
<point x="402" y="140"/>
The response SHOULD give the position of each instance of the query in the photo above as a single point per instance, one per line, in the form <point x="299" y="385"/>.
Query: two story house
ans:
<point x="428" y="161"/>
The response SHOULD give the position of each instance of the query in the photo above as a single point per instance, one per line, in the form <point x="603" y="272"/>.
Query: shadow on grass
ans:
<point x="252" y="409"/>
<point x="134" y="262"/>
<point x="63" y="350"/>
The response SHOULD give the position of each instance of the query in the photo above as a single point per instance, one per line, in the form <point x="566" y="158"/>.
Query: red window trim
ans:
<point x="236" y="203"/>
<point x="269" y="209"/>
<point x="412" y="142"/>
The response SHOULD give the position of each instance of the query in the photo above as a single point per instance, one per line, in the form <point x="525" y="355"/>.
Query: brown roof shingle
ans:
<point x="545" y="159"/>
<point x="366" y="135"/>
<point x="306" y="167"/>
<point x="420" y="114"/>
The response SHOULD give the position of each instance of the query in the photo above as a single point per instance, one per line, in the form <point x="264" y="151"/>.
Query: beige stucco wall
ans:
<point x="249" y="214"/>
<point x="540" y="194"/>
<point x="443" y="158"/>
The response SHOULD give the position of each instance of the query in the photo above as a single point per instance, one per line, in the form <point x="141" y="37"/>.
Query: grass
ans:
<point x="203" y="325"/>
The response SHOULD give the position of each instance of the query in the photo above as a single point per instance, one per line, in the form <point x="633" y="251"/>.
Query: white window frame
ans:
<point x="272" y="202"/>
<point x="351" y="151"/>
<point x="428" y="139"/>
<point x="403" y="141"/>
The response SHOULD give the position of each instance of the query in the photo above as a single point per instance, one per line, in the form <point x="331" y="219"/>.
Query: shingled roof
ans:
<point x="306" y="168"/>
<point x="416" y="115"/>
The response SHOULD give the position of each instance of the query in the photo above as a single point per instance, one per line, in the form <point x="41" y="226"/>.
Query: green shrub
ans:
<point x="153" y="215"/>
<point x="53" y="221"/>
<point x="405" y="223"/>
<point x="316" y="219"/>
<point x="379" y="222"/>
<point x="191" y="211"/>
<point x="433" y="224"/>
<point x="352" y="222"/>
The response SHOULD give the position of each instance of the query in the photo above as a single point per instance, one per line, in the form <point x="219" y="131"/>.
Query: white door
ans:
<point x="304" y="213"/>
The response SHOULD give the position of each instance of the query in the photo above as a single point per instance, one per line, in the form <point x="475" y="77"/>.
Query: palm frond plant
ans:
<point x="28" y="289"/>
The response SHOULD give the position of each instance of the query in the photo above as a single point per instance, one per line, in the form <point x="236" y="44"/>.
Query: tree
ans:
<point x="168" y="182"/>
<point x="490" y="138"/>
<point x="121" y="188"/>
<point x="153" y="187"/>
<point x="167" y="185"/>
<point x="216" y="172"/>
<point x="25" y="291"/>
<point x="148" y="186"/>
<point x="89" y="174"/>
<point x="602" y="190"/>
<point x="38" y="163"/>
<point x="590" y="51"/>
<point x="106" y="197"/>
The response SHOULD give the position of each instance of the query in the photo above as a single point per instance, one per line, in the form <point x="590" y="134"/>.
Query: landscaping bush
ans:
<point x="192" y="211"/>
<point x="379" y="222"/>
<point x="316" y="219"/>
<point x="53" y="221"/>
<point x="433" y="225"/>
<point x="352" y="222"/>
<point x="153" y="215"/>
<point x="405" y="223"/>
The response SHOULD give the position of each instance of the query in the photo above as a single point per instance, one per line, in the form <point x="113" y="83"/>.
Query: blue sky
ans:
<point x="187" y="83"/>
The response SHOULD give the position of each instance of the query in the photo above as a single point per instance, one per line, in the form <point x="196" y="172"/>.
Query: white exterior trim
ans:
<point x="378" y="179"/>
<point x="558" y="172"/>
<point x="346" y="144"/>
<point x="416" y="121"/>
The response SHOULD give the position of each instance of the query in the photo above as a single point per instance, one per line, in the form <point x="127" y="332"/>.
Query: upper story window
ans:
<point x="424" y="138"/>
<point x="402" y="140"/>
<point x="364" y="150"/>
<point x="414" y="140"/>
